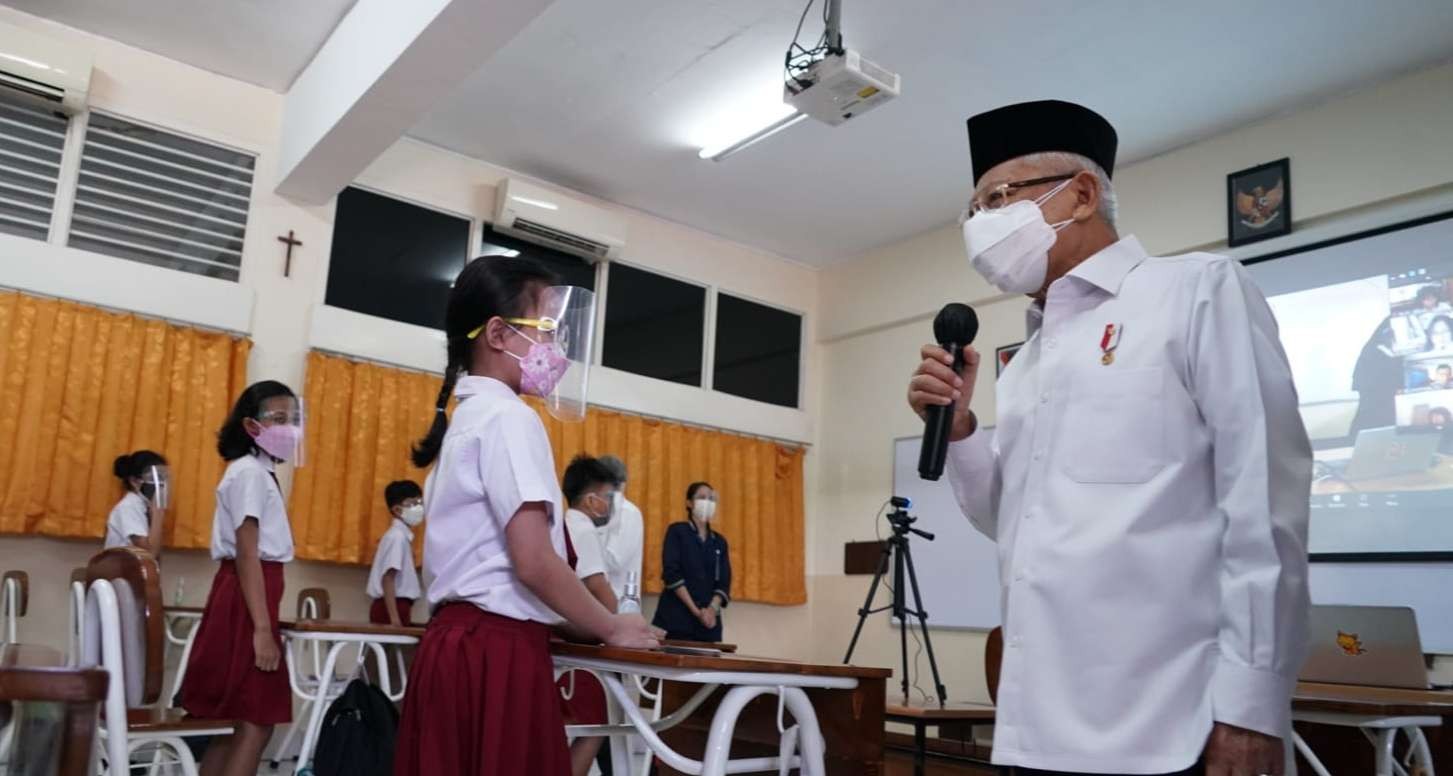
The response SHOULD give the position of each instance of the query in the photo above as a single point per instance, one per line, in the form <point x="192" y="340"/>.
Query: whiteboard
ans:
<point x="958" y="572"/>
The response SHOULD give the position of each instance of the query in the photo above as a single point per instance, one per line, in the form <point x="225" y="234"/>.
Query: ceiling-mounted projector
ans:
<point x="840" y="86"/>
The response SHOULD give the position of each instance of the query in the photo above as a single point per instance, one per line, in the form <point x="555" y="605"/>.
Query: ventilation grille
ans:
<point x="161" y="199"/>
<point x="563" y="240"/>
<point x="31" y="143"/>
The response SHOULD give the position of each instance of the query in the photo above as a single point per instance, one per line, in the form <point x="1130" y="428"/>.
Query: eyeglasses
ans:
<point x="1003" y="194"/>
<point x="558" y="332"/>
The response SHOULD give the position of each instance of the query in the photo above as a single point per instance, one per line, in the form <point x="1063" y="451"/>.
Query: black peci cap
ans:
<point x="1025" y="128"/>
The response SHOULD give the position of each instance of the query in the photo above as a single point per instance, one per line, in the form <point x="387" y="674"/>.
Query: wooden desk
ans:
<point x="1436" y="477"/>
<point x="32" y="674"/>
<point x="924" y="717"/>
<point x="720" y="706"/>
<point x="1380" y="712"/>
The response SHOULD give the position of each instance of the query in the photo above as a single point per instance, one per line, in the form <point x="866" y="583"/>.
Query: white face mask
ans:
<point x="703" y="509"/>
<point x="412" y="515"/>
<point x="1010" y="246"/>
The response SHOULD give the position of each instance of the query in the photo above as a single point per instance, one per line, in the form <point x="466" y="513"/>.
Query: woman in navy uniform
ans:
<point x="697" y="569"/>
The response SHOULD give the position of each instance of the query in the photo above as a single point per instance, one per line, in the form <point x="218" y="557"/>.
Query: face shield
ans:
<point x="557" y="366"/>
<point x="281" y="435"/>
<point x="156" y="487"/>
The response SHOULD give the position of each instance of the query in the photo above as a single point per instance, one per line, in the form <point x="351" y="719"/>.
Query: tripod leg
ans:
<point x="868" y="602"/>
<point x="900" y="611"/>
<point x="923" y="625"/>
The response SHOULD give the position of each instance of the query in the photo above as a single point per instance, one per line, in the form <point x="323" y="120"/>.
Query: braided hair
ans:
<point x="488" y="287"/>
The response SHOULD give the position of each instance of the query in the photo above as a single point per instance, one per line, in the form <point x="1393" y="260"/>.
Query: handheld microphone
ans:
<point x="954" y="327"/>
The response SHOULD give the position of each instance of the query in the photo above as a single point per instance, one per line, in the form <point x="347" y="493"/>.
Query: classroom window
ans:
<point x="31" y="143"/>
<point x="654" y="325"/>
<point x="394" y="259"/>
<point x="573" y="270"/>
<point x="758" y="351"/>
<point x="162" y="199"/>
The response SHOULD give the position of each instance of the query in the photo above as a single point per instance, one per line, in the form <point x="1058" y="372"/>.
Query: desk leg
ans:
<point x="319" y="705"/>
<point x="1309" y="755"/>
<point x="191" y="638"/>
<point x="1383" y="740"/>
<point x="920" y="747"/>
<point x="723" y="725"/>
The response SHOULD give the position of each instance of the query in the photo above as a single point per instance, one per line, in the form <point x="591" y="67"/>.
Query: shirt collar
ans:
<point x="1108" y="268"/>
<point x="475" y="385"/>
<point x="265" y="461"/>
<point x="404" y="529"/>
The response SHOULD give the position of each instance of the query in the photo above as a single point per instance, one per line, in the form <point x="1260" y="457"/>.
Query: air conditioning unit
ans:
<point x="43" y="71"/>
<point x="544" y="217"/>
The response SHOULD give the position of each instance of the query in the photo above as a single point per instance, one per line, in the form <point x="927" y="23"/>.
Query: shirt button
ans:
<point x="1014" y="643"/>
<point x="1050" y="344"/>
<point x="1038" y="454"/>
<point x="1044" y="398"/>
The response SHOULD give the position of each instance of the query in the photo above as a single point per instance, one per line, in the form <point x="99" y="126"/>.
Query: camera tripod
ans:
<point x="896" y="549"/>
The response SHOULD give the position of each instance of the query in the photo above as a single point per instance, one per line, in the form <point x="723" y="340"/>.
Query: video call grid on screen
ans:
<point x="1367" y="324"/>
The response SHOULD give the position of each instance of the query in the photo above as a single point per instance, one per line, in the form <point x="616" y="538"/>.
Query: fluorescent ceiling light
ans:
<point x="781" y="119"/>
<point x="24" y="61"/>
<point x="536" y="202"/>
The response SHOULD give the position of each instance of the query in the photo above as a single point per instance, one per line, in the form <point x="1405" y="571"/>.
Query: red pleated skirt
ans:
<point x="223" y="681"/>
<point x="378" y="611"/>
<point x="481" y="700"/>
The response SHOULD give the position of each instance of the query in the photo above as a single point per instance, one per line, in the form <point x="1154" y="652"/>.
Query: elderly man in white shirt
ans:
<point x="621" y="537"/>
<point x="1147" y="482"/>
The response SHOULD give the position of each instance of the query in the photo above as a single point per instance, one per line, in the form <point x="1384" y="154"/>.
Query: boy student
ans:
<point x="393" y="582"/>
<point x="589" y="487"/>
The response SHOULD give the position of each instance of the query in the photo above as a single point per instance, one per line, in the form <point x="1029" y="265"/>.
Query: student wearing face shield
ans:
<point x="696" y="567"/>
<point x="139" y="518"/>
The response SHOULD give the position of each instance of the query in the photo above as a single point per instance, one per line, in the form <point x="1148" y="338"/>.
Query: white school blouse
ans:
<point x="395" y="553"/>
<point x="494" y="459"/>
<point x="589" y="560"/>
<point x="1151" y="514"/>
<point x="127" y="519"/>
<point x="250" y="489"/>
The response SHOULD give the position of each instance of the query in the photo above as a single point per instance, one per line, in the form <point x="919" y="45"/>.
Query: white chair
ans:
<point x="77" y="616"/>
<point x="16" y="598"/>
<point x="122" y="633"/>
<point x="314" y="603"/>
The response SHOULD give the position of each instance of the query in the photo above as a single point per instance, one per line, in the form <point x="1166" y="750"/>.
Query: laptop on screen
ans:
<point x="1367" y="645"/>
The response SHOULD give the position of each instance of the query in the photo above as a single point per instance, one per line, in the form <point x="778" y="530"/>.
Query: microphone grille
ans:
<point x="956" y="323"/>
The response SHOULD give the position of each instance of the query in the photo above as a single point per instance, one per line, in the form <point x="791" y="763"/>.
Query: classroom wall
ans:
<point x="1372" y="157"/>
<point x="285" y="316"/>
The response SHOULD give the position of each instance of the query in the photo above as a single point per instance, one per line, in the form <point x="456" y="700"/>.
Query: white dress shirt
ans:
<point x="127" y="519"/>
<point x="395" y="553"/>
<point x="1151" y="515"/>
<point x="621" y="542"/>
<point x="495" y="459"/>
<point x="589" y="560"/>
<point x="250" y="489"/>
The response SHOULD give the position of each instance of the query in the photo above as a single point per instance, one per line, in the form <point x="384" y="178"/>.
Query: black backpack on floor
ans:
<point x="358" y="734"/>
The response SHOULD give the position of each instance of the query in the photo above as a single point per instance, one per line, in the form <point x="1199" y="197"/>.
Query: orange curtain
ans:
<point x="364" y="417"/>
<point x="362" y="421"/>
<point x="80" y="386"/>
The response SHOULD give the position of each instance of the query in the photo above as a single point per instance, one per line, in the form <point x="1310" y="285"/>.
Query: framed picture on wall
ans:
<point x="1259" y="203"/>
<point x="1003" y="355"/>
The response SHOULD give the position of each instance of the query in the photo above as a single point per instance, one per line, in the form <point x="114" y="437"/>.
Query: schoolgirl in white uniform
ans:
<point x="481" y="696"/>
<point x="235" y="670"/>
<point x="139" y="518"/>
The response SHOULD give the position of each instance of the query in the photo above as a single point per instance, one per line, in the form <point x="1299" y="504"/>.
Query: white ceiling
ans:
<point x="264" y="42"/>
<point x="615" y="98"/>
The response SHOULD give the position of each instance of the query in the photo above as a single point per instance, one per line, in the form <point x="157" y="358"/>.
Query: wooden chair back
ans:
<point x="993" y="658"/>
<point x="134" y="575"/>
<point x="314" y="603"/>
<point x="55" y="740"/>
<point x="21" y="581"/>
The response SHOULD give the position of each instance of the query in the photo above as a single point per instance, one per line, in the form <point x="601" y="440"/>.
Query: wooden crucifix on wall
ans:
<point x="291" y="242"/>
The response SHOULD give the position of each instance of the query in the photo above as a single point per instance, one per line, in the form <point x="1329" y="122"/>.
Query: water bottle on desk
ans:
<point x="630" y="602"/>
